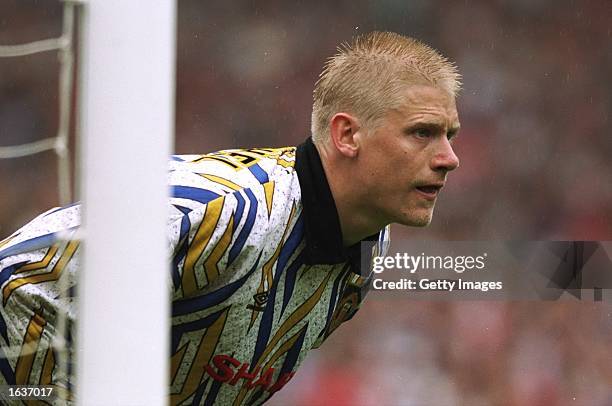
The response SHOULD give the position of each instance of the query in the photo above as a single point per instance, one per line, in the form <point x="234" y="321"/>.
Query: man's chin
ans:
<point x="420" y="219"/>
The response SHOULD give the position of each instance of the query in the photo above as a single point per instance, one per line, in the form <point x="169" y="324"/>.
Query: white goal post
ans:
<point x="126" y="131"/>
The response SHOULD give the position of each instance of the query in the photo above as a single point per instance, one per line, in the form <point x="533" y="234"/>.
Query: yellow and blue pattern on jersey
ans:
<point x="248" y="299"/>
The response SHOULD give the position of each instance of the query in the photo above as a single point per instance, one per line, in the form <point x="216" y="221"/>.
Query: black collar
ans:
<point x="321" y="222"/>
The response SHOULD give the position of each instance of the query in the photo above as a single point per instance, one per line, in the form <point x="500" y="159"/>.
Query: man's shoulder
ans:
<point x="233" y="169"/>
<point x="254" y="173"/>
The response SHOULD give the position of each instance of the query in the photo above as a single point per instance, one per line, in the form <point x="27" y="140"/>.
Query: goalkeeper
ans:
<point x="266" y="242"/>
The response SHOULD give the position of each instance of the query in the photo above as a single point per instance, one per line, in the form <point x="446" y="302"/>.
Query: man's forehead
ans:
<point x="427" y="95"/>
<point x="429" y="103"/>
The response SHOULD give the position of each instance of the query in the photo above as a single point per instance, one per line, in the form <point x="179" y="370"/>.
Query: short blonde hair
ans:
<point x="365" y="78"/>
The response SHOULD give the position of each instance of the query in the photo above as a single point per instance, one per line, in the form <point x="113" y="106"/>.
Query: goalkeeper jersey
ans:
<point x="258" y="271"/>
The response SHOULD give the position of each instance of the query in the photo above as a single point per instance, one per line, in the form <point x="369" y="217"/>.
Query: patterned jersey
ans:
<point x="259" y="277"/>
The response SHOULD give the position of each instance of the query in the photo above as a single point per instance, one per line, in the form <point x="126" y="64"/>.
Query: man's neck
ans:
<point x="356" y="222"/>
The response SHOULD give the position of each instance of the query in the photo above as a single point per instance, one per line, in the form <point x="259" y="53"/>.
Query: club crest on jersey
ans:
<point x="260" y="301"/>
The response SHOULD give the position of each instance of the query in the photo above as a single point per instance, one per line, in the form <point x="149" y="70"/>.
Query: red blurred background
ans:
<point x="535" y="164"/>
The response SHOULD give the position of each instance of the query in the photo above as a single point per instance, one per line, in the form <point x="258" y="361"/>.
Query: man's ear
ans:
<point x="343" y="128"/>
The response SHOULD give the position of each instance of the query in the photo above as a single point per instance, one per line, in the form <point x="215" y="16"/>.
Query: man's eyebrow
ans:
<point x="433" y="125"/>
<point x="454" y="128"/>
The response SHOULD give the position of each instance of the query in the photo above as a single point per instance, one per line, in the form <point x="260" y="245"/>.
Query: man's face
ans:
<point x="404" y="162"/>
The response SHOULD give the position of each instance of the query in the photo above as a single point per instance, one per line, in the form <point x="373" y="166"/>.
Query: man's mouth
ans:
<point x="430" y="191"/>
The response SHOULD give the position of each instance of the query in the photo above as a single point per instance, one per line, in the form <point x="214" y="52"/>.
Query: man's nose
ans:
<point x="444" y="158"/>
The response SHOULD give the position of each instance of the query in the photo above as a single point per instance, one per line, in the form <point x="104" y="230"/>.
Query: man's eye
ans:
<point x="423" y="133"/>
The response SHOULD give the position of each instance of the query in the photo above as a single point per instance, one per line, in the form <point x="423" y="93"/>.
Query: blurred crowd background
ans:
<point x="535" y="150"/>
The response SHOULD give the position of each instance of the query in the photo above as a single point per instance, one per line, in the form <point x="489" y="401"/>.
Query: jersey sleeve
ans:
<point x="38" y="265"/>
